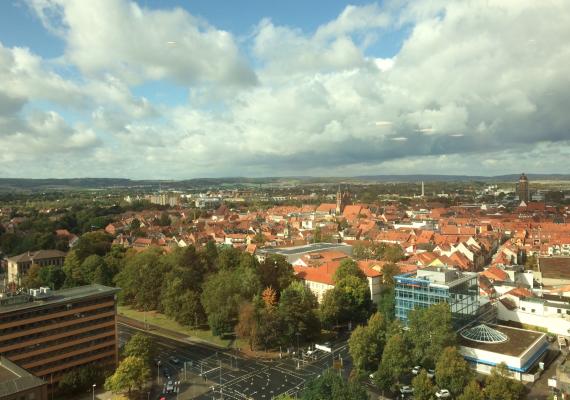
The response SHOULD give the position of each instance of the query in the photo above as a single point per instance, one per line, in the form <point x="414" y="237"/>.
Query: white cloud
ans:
<point x="133" y="42"/>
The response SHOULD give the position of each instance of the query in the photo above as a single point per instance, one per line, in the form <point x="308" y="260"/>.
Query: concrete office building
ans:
<point x="434" y="285"/>
<point x="49" y="333"/>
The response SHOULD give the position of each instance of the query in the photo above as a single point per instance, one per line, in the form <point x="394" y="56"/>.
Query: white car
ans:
<point x="443" y="394"/>
<point x="406" y="390"/>
<point x="416" y="370"/>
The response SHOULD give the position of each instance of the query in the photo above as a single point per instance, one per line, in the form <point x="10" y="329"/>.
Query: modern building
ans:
<point x="18" y="384"/>
<point x="49" y="333"/>
<point x="434" y="285"/>
<point x="485" y="346"/>
<point x="19" y="265"/>
<point x="523" y="189"/>
<point x="292" y="254"/>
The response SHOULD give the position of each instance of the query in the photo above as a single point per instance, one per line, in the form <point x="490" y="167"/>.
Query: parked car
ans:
<point x="416" y="370"/>
<point x="431" y="373"/>
<point x="406" y="390"/>
<point x="443" y="394"/>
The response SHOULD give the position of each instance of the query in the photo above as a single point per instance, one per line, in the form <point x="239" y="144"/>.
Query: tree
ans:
<point x="79" y="379"/>
<point x="247" y="323"/>
<point x="472" y="392"/>
<point x="72" y="270"/>
<point x="452" y="371"/>
<point x="348" y="267"/>
<point x="131" y="374"/>
<point x="297" y="313"/>
<point x="389" y="271"/>
<point x="141" y="346"/>
<point x="430" y="331"/>
<point x="181" y="304"/>
<point x="164" y="219"/>
<point x="423" y="388"/>
<point x="32" y="279"/>
<point x="500" y="386"/>
<point x="92" y="243"/>
<point x="94" y="269"/>
<point x="276" y="272"/>
<point x="330" y="386"/>
<point x="52" y="276"/>
<point x="141" y="279"/>
<point x="396" y="359"/>
<point x="387" y="303"/>
<point x="366" y="343"/>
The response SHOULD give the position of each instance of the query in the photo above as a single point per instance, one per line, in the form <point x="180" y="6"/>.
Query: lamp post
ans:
<point x="94" y="385"/>
<point x="158" y="372"/>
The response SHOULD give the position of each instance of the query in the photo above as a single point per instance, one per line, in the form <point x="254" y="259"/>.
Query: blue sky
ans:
<point x="182" y="89"/>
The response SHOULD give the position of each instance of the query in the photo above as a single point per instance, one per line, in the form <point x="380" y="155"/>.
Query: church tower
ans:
<point x="523" y="189"/>
<point x="342" y="199"/>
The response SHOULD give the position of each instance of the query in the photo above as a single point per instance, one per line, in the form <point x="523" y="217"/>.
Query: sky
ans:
<point x="179" y="89"/>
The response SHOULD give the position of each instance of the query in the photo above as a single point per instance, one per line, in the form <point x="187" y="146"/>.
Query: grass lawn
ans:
<point x="156" y="318"/>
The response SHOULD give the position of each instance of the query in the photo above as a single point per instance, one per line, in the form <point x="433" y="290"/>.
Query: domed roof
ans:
<point x="484" y="334"/>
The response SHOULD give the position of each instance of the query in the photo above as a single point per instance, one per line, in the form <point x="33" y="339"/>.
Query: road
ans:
<point x="230" y="375"/>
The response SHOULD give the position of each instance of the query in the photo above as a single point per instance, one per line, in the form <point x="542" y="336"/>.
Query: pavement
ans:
<point x="209" y="372"/>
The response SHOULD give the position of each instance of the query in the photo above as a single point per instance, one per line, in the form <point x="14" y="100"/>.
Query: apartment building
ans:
<point x="19" y="265"/>
<point x="49" y="333"/>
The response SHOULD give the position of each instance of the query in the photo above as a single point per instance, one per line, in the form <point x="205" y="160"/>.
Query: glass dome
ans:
<point x="484" y="334"/>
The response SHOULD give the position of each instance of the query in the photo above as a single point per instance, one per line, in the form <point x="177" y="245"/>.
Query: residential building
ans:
<point x="18" y="384"/>
<point x="553" y="271"/>
<point x="19" y="265"/>
<point x="434" y="285"/>
<point x="49" y="333"/>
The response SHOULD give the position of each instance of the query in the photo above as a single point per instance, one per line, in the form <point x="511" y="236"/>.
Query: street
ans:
<point x="207" y="372"/>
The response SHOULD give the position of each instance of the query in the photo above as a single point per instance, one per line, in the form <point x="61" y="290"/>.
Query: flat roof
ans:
<point x="286" y="251"/>
<point x="519" y="340"/>
<point x="14" y="379"/>
<point x="60" y="296"/>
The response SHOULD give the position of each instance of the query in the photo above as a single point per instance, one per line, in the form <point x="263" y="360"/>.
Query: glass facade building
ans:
<point x="434" y="285"/>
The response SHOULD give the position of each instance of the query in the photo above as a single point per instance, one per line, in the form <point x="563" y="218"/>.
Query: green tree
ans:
<point x="500" y="386"/>
<point x="276" y="272"/>
<point x="297" y="313"/>
<point x="92" y="243"/>
<point x="423" y="388"/>
<point x="387" y="303"/>
<point x="32" y="278"/>
<point x="389" y="271"/>
<point x="330" y="386"/>
<point x="396" y="359"/>
<point x="94" y="269"/>
<point x="52" y="276"/>
<point x="132" y="373"/>
<point x="452" y="371"/>
<point x="348" y="267"/>
<point x="430" y="331"/>
<point x="472" y="392"/>
<point x="141" y="346"/>
<point x="366" y="343"/>
<point x="72" y="270"/>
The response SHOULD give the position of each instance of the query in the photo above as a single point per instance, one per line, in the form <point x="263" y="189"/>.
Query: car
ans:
<point x="443" y="394"/>
<point x="416" y="370"/>
<point x="406" y="389"/>
<point x="169" y="387"/>
<point x="431" y="373"/>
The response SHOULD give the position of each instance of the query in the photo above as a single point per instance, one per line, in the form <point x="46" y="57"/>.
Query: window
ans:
<point x="559" y="311"/>
<point x="523" y="308"/>
<point x="532" y="310"/>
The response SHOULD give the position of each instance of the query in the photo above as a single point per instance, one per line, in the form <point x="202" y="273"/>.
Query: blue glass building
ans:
<point x="435" y="285"/>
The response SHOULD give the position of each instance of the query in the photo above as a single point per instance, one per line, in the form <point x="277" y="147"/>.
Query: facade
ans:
<point x="434" y="285"/>
<point x="553" y="271"/>
<point x="19" y="265"/>
<point x="49" y="333"/>
<point x="485" y="346"/>
<point x="164" y="199"/>
<point x="523" y="189"/>
<point x="18" y="384"/>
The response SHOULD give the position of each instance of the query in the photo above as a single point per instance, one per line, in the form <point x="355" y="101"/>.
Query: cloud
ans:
<point x="471" y="90"/>
<point x="140" y="44"/>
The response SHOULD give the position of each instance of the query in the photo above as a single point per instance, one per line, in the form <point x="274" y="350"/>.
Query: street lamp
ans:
<point x="158" y="372"/>
<point x="94" y="385"/>
<point x="298" y="334"/>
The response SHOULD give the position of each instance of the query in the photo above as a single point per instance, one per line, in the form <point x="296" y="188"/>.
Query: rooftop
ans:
<point x="517" y="343"/>
<point x="309" y="248"/>
<point x="23" y="301"/>
<point x="14" y="379"/>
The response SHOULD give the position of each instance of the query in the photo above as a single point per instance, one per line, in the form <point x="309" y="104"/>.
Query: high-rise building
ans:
<point x="49" y="333"/>
<point x="523" y="189"/>
<point x="435" y="285"/>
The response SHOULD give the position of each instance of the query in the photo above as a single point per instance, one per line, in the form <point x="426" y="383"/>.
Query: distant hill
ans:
<point x="16" y="184"/>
